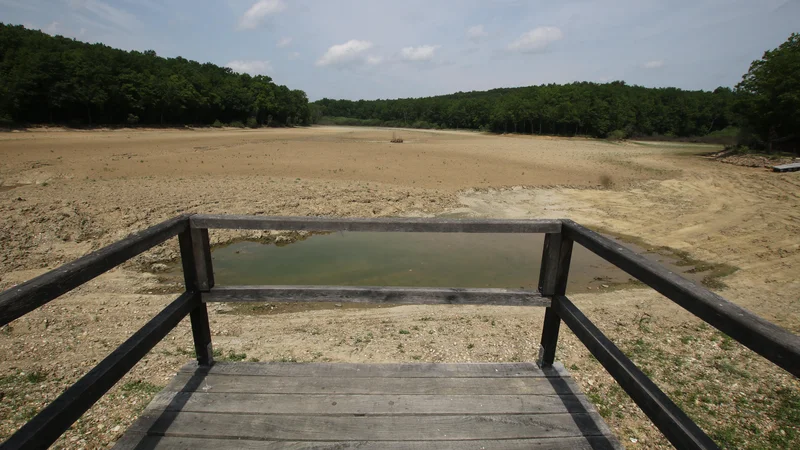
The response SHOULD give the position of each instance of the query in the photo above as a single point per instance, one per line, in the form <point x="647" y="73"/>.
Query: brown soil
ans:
<point x="74" y="192"/>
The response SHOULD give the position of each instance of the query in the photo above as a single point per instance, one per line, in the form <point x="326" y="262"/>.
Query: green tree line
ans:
<point x="572" y="109"/>
<point x="45" y="79"/>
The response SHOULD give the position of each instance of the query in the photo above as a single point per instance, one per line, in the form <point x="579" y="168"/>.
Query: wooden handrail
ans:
<point x="763" y="337"/>
<point x="678" y="428"/>
<point x="56" y="418"/>
<point x="24" y="298"/>
<point x="377" y="294"/>
<point x="394" y="224"/>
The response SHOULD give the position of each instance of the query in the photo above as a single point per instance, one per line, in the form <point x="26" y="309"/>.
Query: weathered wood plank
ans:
<point x="405" y="224"/>
<point x="23" y="298"/>
<point x="391" y="428"/>
<point x="361" y="370"/>
<point x="666" y="415"/>
<point x="376" y="294"/>
<point x="194" y="276"/>
<point x="556" y="257"/>
<point x="131" y="442"/>
<point x="338" y="385"/>
<point x="53" y="420"/>
<point x="763" y="337"/>
<point x="368" y="405"/>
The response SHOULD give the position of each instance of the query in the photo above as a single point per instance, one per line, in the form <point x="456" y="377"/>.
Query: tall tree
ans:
<point x="770" y="96"/>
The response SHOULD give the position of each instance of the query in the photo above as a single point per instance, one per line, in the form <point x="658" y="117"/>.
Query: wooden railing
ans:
<point x="763" y="337"/>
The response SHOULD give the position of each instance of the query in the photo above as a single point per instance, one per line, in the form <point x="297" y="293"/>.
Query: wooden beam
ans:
<point x="763" y="337"/>
<point x="681" y="431"/>
<point x="556" y="257"/>
<point x="376" y="294"/>
<point x="25" y="297"/>
<point x="55" y="418"/>
<point x="407" y="224"/>
<point x="195" y="259"/>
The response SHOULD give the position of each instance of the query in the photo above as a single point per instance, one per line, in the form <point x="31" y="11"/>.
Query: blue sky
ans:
<point x="388" y="49"/>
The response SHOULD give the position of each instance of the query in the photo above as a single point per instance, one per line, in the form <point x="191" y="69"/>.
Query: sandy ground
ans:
<point x="66" y="193"/>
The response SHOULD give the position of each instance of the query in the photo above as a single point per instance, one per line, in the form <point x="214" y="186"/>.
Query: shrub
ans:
<point x="617" y="135"/>
<point x="606" y="181"/>
<point x="217" y="124"/>
<point x="236" y="124"/>
<point x="132" y="119"/>
<point x="252" y="122"/>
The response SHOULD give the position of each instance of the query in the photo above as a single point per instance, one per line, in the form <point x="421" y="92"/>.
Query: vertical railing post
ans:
<point x="556" y="256"/>
<point x="199" y="277"/>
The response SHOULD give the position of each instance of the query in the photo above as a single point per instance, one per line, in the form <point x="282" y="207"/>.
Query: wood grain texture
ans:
<point x="376" y="294"/>
<point x="345" y="385"/>
<point x="342" y="406"/>
<point x="133" y="441"/>
<point x="363" y="370"/>
<point x="763" y="337"/>
<point x="384" y="428"/>
<point x="24" y="298"/>
<point x="368" y="405"/>
<point x="404" y="224"/>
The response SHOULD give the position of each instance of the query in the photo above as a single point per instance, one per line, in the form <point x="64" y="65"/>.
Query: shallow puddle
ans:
<point x="408" y="259"/>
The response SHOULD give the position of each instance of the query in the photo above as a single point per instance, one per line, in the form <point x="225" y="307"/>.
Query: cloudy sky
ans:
<point x="390" y="48"/>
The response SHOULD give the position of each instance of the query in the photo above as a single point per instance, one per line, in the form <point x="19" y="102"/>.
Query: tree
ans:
<point x="46" y="79"/>
<point x="770" y="96"/>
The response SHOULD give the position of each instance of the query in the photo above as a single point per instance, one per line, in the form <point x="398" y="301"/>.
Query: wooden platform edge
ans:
<point x="135" y="436"/>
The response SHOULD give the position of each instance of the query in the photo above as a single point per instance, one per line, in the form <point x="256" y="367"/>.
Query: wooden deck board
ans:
<point x="386" y="406"/>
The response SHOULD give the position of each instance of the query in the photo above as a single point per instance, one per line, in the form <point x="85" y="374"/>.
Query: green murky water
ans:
<point x="406" y="259"/>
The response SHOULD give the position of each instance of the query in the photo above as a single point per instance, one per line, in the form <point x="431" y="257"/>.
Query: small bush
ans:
<point x="5" y="120"/>
<point x="132" y="119"/>
<point x="252" y="122"/>
<point x="236" y="124"/>
<point x="606" y="181"/>
<point x="217" y="124"/>
<point x="617" y="135"/>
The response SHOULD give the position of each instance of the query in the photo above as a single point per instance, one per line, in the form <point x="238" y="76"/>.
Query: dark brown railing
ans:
<point x="774" y="343"/>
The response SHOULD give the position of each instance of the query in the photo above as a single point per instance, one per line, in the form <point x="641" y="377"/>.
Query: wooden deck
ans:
<point x="369" y="406"/>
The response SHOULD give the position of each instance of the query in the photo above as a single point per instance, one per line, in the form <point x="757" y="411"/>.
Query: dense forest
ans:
<point x="579" y="108"/>
<point x="45" y="79"/>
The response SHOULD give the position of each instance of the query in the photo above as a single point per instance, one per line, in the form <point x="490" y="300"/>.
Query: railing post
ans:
<point x="199" y="277"/>
<point x="556" y="256"/>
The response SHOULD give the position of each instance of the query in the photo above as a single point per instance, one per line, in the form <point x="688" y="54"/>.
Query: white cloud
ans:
<point x="476" y="33"/>
<point x="259" y="11"/>
<point x="111" y="17"/>
<point x="421" y="53"/>
<point x="657" y="64"/>
<point x="374" y="60"/>
<point x="294" y="55"/>
<point x="52" y="29"/>
<point x="284" y="42"/>
<point x="349" y="53"/>
<point x="536" y="40"/>
<point x="253" y="67"/>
